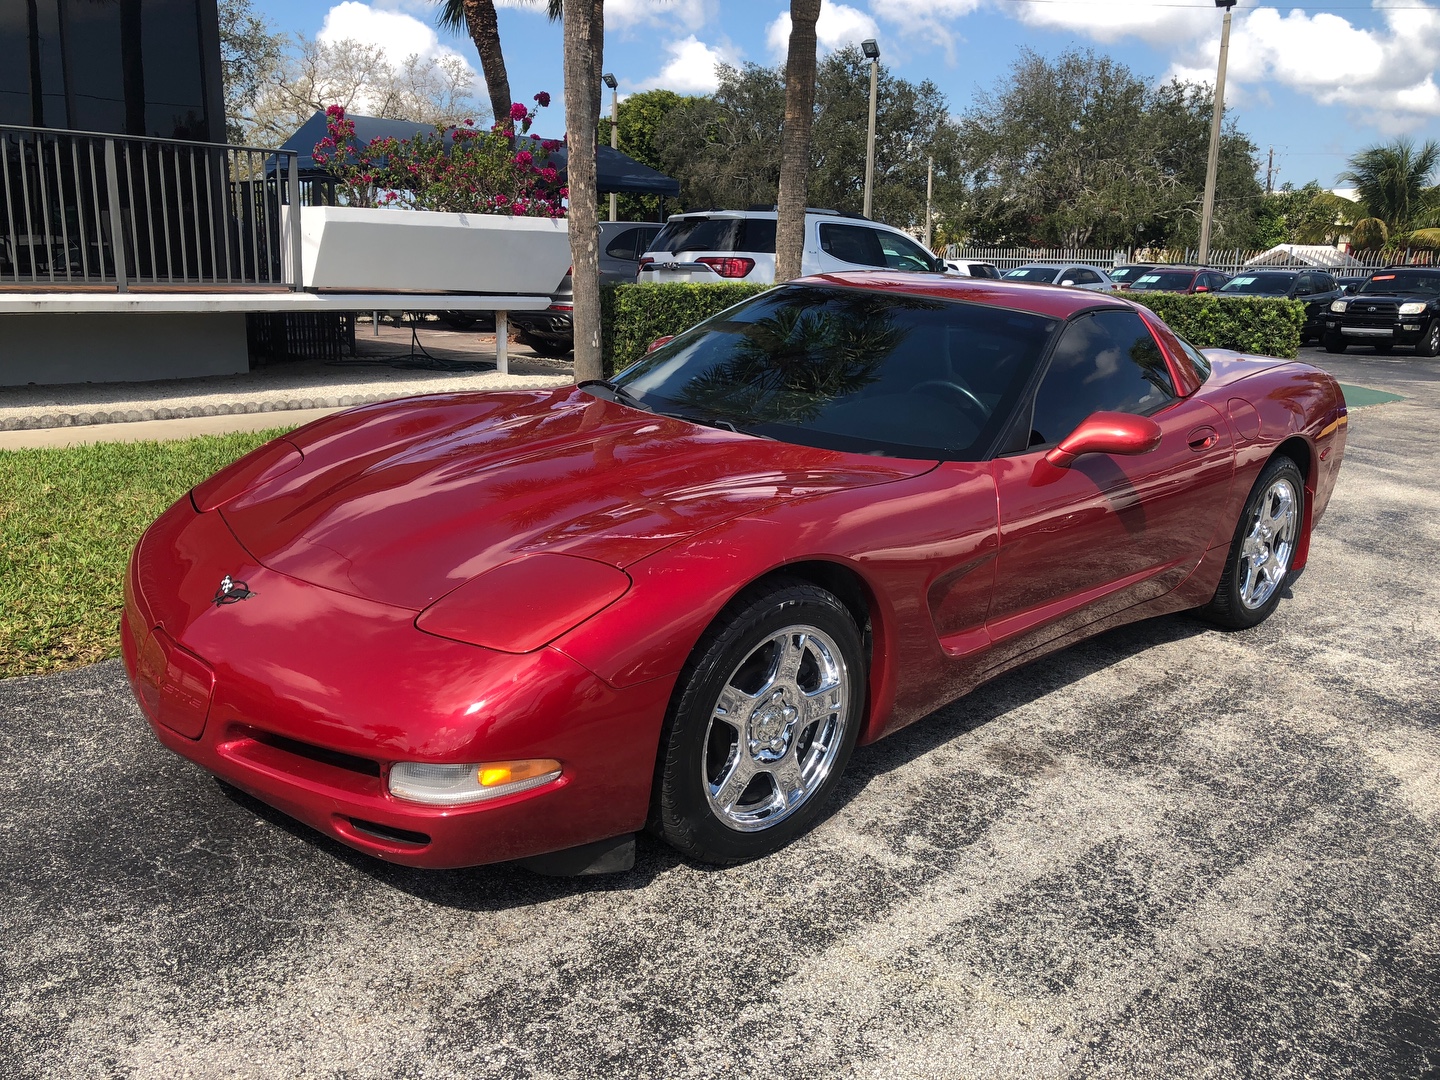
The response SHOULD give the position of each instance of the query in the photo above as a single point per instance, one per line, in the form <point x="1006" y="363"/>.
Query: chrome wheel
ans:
<point x="1267" y="549"/>
<point x="776" y="729"/>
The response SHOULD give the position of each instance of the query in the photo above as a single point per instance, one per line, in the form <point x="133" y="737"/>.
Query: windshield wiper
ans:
<point x="717" y="422"/>
<point x="617" y="393"/>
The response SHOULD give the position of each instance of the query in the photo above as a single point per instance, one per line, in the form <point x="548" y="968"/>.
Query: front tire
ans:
<point x="1263" y="549"/>
<point x="1333" y="343"/>
<point x="1430" y="346"/>
<point x="763" y="721"/>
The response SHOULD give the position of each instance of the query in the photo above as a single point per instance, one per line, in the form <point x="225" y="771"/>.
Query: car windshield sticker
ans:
<point x="1242" y="281"/>
<point x="1150" y="277"/>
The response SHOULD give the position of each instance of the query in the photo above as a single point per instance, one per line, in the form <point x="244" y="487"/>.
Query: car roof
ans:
<point x="1050" y="301"/>
<point x="1057" y="266"/>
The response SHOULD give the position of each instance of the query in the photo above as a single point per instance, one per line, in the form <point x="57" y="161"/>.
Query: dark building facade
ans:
<point x="128" y="67"/>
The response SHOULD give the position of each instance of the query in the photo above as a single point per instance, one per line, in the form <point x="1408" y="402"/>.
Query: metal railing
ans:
<point x="81" y="209"/>
<point x="1356" y="262"/>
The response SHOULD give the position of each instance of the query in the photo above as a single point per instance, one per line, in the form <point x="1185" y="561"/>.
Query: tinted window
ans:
<point x="984" y="270"/>
<point x="1106" y="361"/>
<point x="1080" y="276"/>
<point x="1260" y="284"/>
<point x="1197" y="359"/>
<point x="1413" y="282"/>
<point x="852" y="243"/>
<point x="1163" y="281"/>
<point x="1045" y="275"/>
<point x="1324" y="283"/>
<point x="716" y="234"/>
<point x="902" y="253"/>
<point x="630" y="244"/>
<point x="851" y="370"/>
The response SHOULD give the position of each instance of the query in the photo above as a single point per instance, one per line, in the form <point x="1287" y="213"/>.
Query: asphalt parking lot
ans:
<point x="1167" y="852"/>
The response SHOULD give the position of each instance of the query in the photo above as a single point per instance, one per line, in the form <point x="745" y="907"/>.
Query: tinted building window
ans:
<point x="1103" y="362"/>
<point x="137" y="67"/>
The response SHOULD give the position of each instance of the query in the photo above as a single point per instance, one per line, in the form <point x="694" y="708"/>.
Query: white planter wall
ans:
<point x="424" y="251"/>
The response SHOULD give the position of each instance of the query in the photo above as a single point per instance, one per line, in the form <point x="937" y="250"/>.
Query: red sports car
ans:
<point x="473" y="628"/>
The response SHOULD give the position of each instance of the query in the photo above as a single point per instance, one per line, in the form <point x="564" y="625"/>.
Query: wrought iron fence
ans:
<point x="79" y="209"/>
<point x="1231" y="262"/>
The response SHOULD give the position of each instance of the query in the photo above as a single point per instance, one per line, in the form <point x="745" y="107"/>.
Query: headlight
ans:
<point x="1339" y="306"/>
<point x="528" y="602"/>
<point x="456" y="785"/>
<point x="1412" y="309"/>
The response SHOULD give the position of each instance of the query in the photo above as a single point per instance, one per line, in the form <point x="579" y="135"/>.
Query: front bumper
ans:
<point x="1405" y="330"/>
<point x="553" y="324"/>
<point x="305" y="697"/>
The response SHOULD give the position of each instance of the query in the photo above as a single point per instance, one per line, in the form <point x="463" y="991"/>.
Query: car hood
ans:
<point x="405" y="501"/>
<point x="1389" y="298"/>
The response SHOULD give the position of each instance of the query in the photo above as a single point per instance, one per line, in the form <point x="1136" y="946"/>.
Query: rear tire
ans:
<point x="1333" y="343"/>
<point x="761" y="725"/>
<point x="1258" y="566"/>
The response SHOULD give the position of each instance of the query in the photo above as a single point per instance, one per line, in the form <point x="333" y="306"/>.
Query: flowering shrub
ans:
<point x="461" y="169"/>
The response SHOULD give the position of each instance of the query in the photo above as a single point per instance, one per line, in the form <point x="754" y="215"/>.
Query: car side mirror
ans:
<point x="1202" y="288"/>
<point x="1067" y="281"/>
<point x="1107" y="433"/>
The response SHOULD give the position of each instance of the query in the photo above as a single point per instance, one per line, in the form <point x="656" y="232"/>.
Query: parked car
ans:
<point x="1349" y="283"/>
<point x="482" y="627"/>
<point x="1316" y="288"/>
<point x="1122" y="276"/>
<point x="739" y="245"/>
<point x="968" y="268"/>
<point x="1181" y="279"/>
<point x="1066" y="274"/>
<point x="551" y="332"/>
<point x="1399" y="306"/>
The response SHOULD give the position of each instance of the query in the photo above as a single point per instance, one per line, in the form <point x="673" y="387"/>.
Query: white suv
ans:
<point x="739" y="245"/>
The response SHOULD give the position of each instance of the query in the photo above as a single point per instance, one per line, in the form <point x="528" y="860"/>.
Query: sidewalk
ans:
<point x="277" y="395"/>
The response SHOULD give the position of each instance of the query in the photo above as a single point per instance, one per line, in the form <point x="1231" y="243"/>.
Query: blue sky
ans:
<point x="1317" y="81"/>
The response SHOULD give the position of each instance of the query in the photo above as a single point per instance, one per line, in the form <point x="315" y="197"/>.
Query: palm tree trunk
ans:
<point x="584" y="57"/>
<point x="795" y="139"/>
<point x="485" y="32"/>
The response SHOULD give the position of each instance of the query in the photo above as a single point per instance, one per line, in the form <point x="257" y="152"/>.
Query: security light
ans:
<point x="872" y="50"/>
<point x="609" y="80"/>
<point x="1224" y="3"/>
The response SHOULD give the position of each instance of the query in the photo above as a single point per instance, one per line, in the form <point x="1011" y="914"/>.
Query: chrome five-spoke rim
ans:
<point x="1265" y="555"/>
<point x="776" y="728"/>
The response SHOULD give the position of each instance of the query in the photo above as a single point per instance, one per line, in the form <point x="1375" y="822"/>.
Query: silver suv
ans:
<point x="739" y="245"/>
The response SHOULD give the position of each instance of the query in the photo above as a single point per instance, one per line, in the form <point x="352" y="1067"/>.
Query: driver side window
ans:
<point x="1106" y="361"/>
<point x="903" y="254"/>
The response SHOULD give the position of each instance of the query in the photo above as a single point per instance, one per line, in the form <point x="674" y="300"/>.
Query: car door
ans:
<point x="1110" y="531"/>
<point x="848" y="247"/>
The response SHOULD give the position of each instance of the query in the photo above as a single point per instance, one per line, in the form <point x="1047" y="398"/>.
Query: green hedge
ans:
<point x="633" y="316"/>
<point x="1270" y="327"/>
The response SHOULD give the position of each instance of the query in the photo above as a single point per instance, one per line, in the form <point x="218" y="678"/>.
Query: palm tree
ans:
<point x="584" y="59"/>
<point x="477" y="18"/>
<point x="795" y="139"/>
<point x="1393" y="183"/>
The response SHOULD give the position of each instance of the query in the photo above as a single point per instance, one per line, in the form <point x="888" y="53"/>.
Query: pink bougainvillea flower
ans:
<point x="523" y="158"/>
<point x="543" y="98"/>
<point x="518" y="111"/>
<point x="337" y="111"/>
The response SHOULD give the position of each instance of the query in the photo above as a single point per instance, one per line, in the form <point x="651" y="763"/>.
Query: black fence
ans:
<point x="90" y="210"/>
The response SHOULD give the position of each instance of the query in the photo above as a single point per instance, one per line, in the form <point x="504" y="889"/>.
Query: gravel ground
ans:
<point x="382" y="369"/>
<point x="1166" y="852"/>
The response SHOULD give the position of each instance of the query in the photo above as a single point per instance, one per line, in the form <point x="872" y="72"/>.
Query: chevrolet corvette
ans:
<point x="489" y="627"/>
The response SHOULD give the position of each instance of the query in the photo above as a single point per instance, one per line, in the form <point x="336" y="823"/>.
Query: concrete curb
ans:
<point x="86" y="417"/>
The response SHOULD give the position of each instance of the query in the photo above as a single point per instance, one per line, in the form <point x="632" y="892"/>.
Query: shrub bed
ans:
<point x="633" y="316"/>
<point x="1263" y="325"/>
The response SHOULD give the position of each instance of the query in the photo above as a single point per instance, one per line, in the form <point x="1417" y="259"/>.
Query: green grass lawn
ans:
<point x="68" y="521"/>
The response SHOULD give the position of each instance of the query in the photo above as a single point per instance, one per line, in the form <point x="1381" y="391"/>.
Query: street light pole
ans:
<point x="872" y="52"/>
<point x="929" y="191"/>
<point x="1207" y="211"/>
<point x="610" y="81"/>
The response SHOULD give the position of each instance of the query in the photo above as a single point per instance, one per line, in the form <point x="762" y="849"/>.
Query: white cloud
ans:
<point x="838" y="26"/>
<point x="398" y="34"/>
<point x="690" y="14"/>
<point x="1388" y="72"/>
<point x="691" y="69"/>
<point x="1111" y="20"/>
<point x="924" y="22"/>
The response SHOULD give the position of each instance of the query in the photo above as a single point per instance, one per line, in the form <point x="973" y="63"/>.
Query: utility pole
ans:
<point x="1207" y="212"/>
<point x="929" y="191"/>
<point x="872" y="53"/>
<point x="610" y="81"/>
<point x="1269" y="172"/>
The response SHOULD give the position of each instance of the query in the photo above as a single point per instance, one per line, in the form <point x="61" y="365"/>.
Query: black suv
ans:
<point x="1316" y="289"/>
<point x="1399" y="306"/>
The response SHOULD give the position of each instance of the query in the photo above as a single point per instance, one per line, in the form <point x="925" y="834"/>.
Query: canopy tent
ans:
<point x="1318" y="256"/>
<point x="615" y="171"/>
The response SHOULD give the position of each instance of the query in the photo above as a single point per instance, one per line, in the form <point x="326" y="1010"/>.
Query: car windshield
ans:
<point x="1260" y="284"/>
<point x="1042" y="274"/>
<point x="849" y="369"/>
<point x="1164" y="281"/>
<point x="716" y="234"/>
<point x="1128" y="273"/>
<point x="1413" y="283"/>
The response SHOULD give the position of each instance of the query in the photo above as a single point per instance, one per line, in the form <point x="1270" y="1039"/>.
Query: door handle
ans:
<point x="1202" y="439"/>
